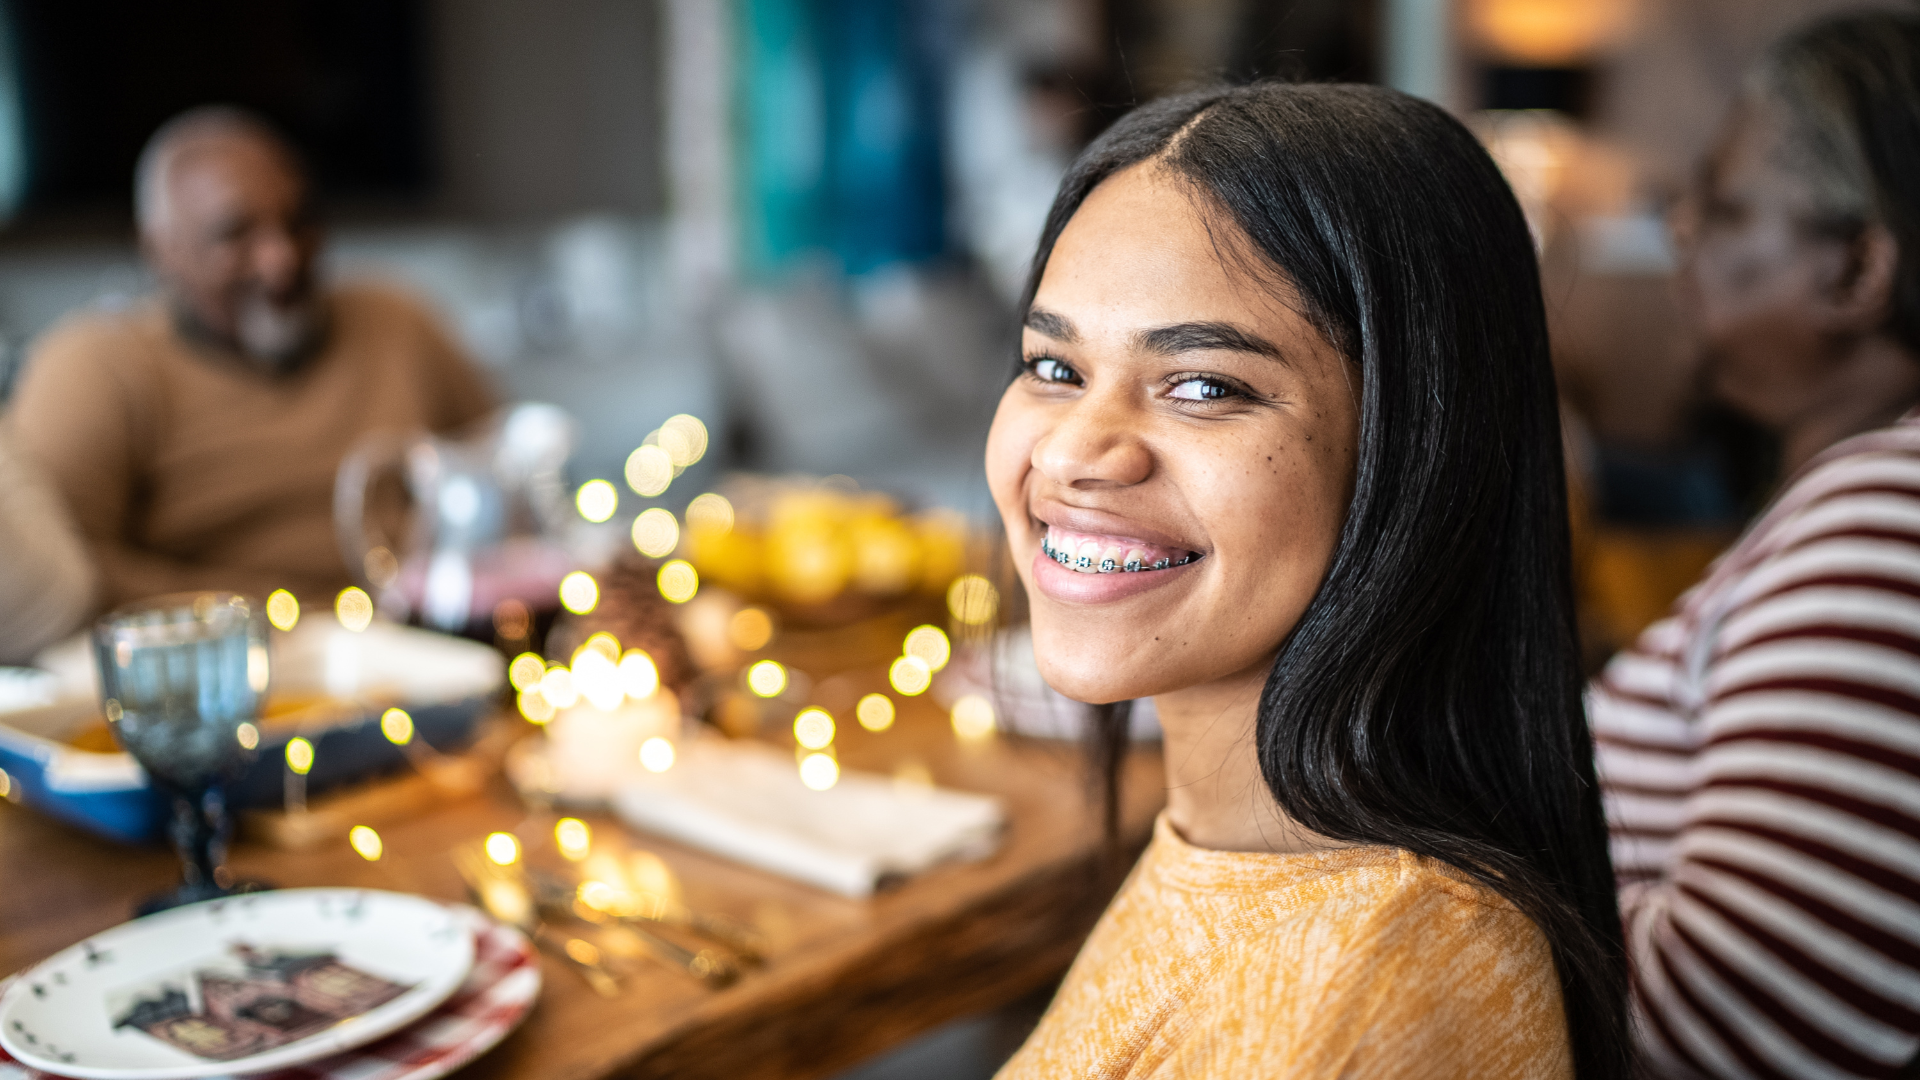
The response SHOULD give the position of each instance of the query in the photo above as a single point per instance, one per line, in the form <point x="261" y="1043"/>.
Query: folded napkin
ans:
<point x="745" y="801"/>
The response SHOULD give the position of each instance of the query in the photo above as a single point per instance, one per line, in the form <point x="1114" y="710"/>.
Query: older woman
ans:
<point x="1760" y="748"/>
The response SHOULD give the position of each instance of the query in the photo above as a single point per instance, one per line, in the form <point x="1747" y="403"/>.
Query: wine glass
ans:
<point x="181" y="679"/>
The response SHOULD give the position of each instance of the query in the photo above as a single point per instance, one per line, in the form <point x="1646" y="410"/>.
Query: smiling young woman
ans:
<point x="1283" y="455"/>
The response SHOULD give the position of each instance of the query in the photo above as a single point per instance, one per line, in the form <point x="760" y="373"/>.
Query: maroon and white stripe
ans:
<point x="1759" y="755"/>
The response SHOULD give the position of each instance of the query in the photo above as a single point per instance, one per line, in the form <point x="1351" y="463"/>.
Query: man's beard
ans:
<point x="278" y="335"/>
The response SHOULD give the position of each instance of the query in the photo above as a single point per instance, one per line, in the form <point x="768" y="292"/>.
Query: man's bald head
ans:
<point x="209" y="127"/>
<point x="224" y="214"/>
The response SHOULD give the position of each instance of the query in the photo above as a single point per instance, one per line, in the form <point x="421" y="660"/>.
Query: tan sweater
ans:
<point x="1362" y="962"/>
<point x="188" y="468"/>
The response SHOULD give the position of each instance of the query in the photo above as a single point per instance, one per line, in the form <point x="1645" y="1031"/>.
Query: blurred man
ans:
<point x="196" y="436"/>
<point x="1760" y="748"/>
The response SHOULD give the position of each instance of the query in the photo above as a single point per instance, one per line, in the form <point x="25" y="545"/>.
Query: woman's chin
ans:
<point x="1094" y="679"/>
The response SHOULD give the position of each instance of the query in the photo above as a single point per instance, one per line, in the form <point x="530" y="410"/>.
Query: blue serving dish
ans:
<point x="340" y="683"/>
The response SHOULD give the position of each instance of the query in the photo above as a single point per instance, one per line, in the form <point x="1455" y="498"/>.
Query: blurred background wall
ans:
<point x="807" y="221"/>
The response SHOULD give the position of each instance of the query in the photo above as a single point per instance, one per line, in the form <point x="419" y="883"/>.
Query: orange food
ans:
<point x="307" y="712"/>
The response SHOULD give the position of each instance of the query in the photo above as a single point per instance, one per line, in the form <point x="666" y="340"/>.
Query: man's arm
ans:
<point x="82" y="418"/>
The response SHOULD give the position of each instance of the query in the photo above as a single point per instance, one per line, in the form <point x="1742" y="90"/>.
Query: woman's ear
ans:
<point x="1859" y="299"/>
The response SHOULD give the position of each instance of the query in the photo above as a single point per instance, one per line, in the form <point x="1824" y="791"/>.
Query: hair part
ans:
<point x="153" y="173"/>
<point x="1848" y="91"/>
<point x="1429" y="698"/>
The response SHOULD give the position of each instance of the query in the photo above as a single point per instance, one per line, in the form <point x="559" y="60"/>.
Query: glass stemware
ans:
<point x="182" y="678"/>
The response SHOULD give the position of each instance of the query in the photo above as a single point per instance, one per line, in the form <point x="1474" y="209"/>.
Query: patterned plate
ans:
<point x="499" y="991"/>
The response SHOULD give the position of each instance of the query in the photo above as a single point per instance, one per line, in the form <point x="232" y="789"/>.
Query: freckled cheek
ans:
<point x="1267" y="510"/>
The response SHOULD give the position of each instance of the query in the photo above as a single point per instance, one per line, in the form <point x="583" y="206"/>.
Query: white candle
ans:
<point x="592" y="750"/>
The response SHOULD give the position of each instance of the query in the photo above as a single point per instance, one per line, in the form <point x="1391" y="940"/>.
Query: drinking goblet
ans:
<point x="182" y="678"/>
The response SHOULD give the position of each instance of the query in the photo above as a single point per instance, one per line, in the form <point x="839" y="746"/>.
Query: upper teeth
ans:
<point x="1090" y="557"/>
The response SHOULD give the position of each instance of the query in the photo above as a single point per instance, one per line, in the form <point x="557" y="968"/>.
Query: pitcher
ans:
<point x="489" y="510"/>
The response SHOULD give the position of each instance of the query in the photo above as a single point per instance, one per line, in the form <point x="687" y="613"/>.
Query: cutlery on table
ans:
<point x="742" y="941"/>
<point x="507" y="899"/>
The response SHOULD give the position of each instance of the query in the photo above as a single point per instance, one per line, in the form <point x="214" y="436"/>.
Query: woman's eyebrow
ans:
<point x="1055" y="326"/>
<point x="1197" y="336"/>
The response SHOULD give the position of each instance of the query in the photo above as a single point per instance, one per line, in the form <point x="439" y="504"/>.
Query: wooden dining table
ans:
<point x="844" y="980"/>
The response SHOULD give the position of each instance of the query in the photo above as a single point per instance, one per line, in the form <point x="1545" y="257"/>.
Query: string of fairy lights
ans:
<point x="884" y="555"/>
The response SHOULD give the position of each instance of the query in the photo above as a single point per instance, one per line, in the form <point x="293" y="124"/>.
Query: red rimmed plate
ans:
<point x="496" y="996"/>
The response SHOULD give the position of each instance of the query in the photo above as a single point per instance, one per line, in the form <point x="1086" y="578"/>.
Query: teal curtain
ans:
<point x="839" y="119"/>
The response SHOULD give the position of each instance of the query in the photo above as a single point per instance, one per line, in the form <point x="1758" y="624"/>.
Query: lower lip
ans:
<point x="1057" y="582"/>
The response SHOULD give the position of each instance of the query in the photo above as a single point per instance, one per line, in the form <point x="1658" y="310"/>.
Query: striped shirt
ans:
<point x="1759" y="751"/>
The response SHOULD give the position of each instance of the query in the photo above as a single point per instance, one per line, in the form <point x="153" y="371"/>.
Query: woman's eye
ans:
<point x="1200" y="388"/>
<point x="1049" y="370"/>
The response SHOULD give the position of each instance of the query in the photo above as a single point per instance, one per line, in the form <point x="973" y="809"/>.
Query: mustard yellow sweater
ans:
<point x="1363" y="962"/>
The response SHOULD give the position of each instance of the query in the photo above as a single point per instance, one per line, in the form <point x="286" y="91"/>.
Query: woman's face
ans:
<point x="1175" y="463"/>
<point x="1755" y="282"/>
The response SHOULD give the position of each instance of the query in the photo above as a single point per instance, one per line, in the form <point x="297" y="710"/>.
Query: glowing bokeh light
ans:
<point x="597" y="500"/>
<point x="767" y="678"/>
<point x="909" y="675"/>
<point x="557" y="687"/>
<point x="649" y="471"/>
<point x="684" y="438"/>
<point x="819" y="771"/>
<point x="582" y="951"/>
<point x="299" y="755"/>
<point x="603" y="643"/>
<point x="366" y="842"/>
<point x="813" y="729"/>
<point x="656" y="533"/>
<point x="573" y="838"/>
<point x="656" y="754"/>
<point x="972" y="600"/>
<point x="639" y="678"/>
<point x="597" y="679"/>
<point x="381" y="566"/>
<point x="710" y="513"/>
<point x="6" y="785"/>
<point x="579" y="592"/>
<point x="535" y="706"/>
<point x="973" y="718"/>
<point x="675" y="442"/>
<point x="397" y="726"/>
<point x="503" y="848"/>
<point x="875" y="712"/>
<point x="354" y="608"/>
<point x="258" y="669"/>
<point x="525" y="671"/>
<point x="512" y="620"/>
<point x="930" y="644"/>
<point x="283" y="609"/>
<point x="750" y="629"/>
<point x="247" y="736"/>
<point x="679" y="581"/>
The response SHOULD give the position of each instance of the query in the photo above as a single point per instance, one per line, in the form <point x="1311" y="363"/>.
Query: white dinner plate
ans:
<point x="255" y="982"/>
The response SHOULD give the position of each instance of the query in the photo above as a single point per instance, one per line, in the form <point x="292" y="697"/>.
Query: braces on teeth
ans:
<point x="1082" y="561"/>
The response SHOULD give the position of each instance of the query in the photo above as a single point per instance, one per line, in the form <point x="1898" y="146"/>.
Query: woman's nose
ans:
<point x="1095" y="444"/>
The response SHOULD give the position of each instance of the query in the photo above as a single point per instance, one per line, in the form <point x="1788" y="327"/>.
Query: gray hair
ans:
<point x="1848" y="88"/>
<point x="152" y="201"/>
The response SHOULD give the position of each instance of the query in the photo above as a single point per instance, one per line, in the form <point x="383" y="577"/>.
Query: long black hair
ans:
<point x="1429" y="697"/>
